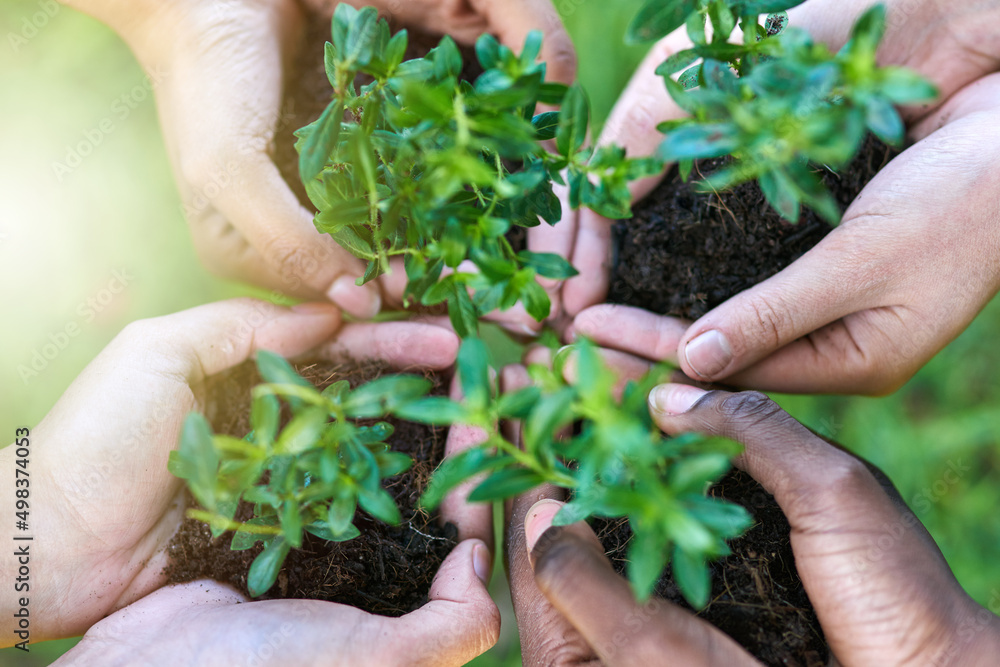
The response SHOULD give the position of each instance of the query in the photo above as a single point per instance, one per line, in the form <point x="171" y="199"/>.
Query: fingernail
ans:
<point x="563" y="361"/>
<point x="482" y="562"/>
<point x="709" y="354"/>
<point x="674" y="399"/>
<point x="316" y="309"/>
<point x="361" y="302"/>
<point x="538" y="520"/>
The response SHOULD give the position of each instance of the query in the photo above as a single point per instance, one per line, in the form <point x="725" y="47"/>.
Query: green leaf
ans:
<point x="536" y="301"/>
<point x="321" y="144"/>
<point x="361" y="38"/>
<point x="343" y="18"/>
<point x="393" y="463"/>
<point x="883" y="120"/>
<point x="197" y="460"/>
<point x="323" y="532"/>
<point x="647" y="555"/>
<point x="462" y="312"/>
<point x="341" y="511"/>
<point x="380" y="505"/>
<point x="691" y="574"/>
<point x="436" y="410"/>
<point x="552" y="93"/>
<point x="748" y="7"/>
<point x="902" y="86"/>
<point x="693" y="473"/>
<point x="456" y="469"/>
<point x="532" y="48"/>
<point x="781" y="193"/>
<point x="689" y="79"/>
<point x="395" y="51"/>
<point x="302" y="432"/>
<point x="505" y="484"/>
<point x="548" y="265"/>
<point x="474" y="372"/>
<point x="488" y="51"/>
<point x="699" y="141"/>
<point x="518" y="404"/>
<point x="574" y="120"/>
<point x="274" y="369"/>
<point x="291" y="523"/>
<point x="243" y="540"/>
<point x="385" y="395"/>
<point x="552" y="413"/>
<point x="676" y="62"/>
<point x="265" y="413"/>
<point x="546" y="124"/>
<point x="659" y="18"/>
<point x="265" y="567"/>
<point x="343" y="213"/>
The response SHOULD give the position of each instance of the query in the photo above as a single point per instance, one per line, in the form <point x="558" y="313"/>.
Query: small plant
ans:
<point x="315" y="473"/>
<point x="608" y="453"/>
<point x="778" y="103"/>
<point x="423" y="165"/>
<point x="311" y="476"/>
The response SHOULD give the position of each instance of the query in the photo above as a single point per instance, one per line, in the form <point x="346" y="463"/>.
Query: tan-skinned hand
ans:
<point x="881" y="589"/>
<point x="107" y="507"/>
<point x="915" y="259"/>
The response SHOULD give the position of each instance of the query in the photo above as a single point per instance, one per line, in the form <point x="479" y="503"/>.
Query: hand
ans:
<point x="881" y="589"/>
<point x="207" y="623"/>
<point x="100" y="490"/>
<point x="913" y="262"/>
<point x="218" y="68"/>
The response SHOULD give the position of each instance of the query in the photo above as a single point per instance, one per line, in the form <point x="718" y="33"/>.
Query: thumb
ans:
<point x="820" y="288"/>
<point x="461" y="621"/>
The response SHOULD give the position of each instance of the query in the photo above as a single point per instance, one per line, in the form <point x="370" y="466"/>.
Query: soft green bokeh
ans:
<point x="61" y="242"/>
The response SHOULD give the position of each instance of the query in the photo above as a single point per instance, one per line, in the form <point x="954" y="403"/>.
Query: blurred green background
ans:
<point x="64" y="238"/>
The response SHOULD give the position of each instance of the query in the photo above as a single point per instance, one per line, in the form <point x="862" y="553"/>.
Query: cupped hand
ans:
<point x="207" y="623"/>
<point x="218" y="69"/>
<point x="100" y="490"/>
<point x="882" y="591"/>
<point x="913" y="262"/>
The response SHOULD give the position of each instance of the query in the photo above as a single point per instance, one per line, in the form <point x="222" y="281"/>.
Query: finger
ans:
<point x="873" y="352"/>
<point x="576" y="577"/>
<point x="514" y="19"/>
<point x="226" y="173"/>
<point x="845" y="273"/>
<point x="402" y="345"/>
<point x="200" y="342"/>
<point x="558" y="240"/>
<point x="788" y="460"/>
<point x="626" y="368"/>
<point x="474" y="520"/>
<point x="461" y="621"/>
<point x="632" y="330"/>
<point x="592" y="259"/>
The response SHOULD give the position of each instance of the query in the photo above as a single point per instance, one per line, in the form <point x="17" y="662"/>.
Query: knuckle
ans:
<point x="840" y="478"/>
<point x="748" y="406"/>
<point x="553" y="650"/>
<point x="770" y="320"/>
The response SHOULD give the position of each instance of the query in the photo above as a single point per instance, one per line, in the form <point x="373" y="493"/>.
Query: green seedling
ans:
<point x="310" y="476"/>
<point x="426" y="167"/>
<point x="781" y="105"/>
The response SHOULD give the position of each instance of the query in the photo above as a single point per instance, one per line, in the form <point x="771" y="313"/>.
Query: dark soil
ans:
<point x="684" y="253"/>
<point x="757" y="597"/>
<point x="386" y="570"/>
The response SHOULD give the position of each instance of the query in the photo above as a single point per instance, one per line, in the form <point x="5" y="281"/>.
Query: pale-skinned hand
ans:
<point x="911" y="265"/>
<point x="103" y="499"/>
<point x="219" y="69"/>
<point x="882" y="591"/>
